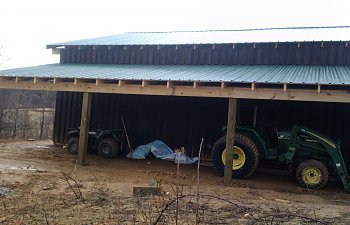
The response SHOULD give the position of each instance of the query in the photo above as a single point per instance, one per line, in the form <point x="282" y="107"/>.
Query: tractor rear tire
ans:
<point x="312" y="174"/>
<point x="248" y="161"/>
<point x="108" y="148"/>
<point x="73" y="145"/>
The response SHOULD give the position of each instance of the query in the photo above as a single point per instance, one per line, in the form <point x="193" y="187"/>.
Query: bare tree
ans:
<point x="23" y="114"/>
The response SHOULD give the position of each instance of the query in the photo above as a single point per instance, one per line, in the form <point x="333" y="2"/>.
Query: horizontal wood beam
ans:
<point x="168" y="89"/>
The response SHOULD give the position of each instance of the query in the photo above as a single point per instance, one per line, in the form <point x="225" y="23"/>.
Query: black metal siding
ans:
<point x="182" y="121"/>
<point x="306" y="53"/>
<point x="176" y="121"/>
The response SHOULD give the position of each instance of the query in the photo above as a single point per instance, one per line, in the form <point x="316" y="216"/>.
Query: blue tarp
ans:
<point x="161" y="151"/>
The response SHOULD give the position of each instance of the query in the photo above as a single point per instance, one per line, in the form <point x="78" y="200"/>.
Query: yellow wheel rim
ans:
<point x="312" y="175"/>
<point x="238" y="158"/>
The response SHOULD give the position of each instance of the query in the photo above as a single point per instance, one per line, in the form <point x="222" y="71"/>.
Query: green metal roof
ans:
<point x="286" y="74"/>
<point x="296" y="34"/>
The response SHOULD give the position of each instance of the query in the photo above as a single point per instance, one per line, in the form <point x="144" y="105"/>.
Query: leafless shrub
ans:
<point x="26" y="114"/>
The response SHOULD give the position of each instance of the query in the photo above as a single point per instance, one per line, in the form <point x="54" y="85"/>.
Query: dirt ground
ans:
<point x="41" y="184"/>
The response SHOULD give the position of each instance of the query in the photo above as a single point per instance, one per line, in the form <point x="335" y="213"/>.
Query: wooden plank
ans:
<point x="84" y="128"/>
<point x="230" y="135"/>
<point x="169" y="84"/>
<point x="145" y="83"/>
<point x="327" y="95"/>
<point x="253" y="86"/>
<point x="223" y="85"/>
<point x="121" y="83"/>
<point x="98" y="82"/>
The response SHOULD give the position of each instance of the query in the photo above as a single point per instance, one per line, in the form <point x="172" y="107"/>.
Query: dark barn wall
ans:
<point x="306" y="53"/>
<point x="176" y="121"/>
<point x="331" y="119"/>
<point x="180" y="121"/>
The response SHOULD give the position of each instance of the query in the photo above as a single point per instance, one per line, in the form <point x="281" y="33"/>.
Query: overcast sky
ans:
<point x="27" y="26"/>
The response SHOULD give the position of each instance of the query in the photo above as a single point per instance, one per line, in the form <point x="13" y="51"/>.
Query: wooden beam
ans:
<point x="169" y="84"/>
<point x="145" y="83"/>
<point x="76" y="81"/>
<point x="84" y="128"/>
<point x="319" y="88"/>
<point x="326" y="95"/>
<point x="285" y="86"/>
<point x="230" y="136"/>
<point x="223" y="85"/>
<point x="253" y="86"/>
<point x="98" y="82"/>
<point x="121" y="83"/>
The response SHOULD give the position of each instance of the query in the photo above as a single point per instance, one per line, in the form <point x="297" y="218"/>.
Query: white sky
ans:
<point x="27" y="26"/>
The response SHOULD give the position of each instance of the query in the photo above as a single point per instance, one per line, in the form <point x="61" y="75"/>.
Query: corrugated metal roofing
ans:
<point x="219" y="37"/>
<point x="293" y="74"/>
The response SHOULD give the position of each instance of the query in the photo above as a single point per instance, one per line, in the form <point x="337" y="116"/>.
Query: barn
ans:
<point x="179" y="87"/>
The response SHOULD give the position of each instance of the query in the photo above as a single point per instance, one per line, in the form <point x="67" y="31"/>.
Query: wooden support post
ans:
<point x="84" y="128"/>
<point x="231" y="125"/>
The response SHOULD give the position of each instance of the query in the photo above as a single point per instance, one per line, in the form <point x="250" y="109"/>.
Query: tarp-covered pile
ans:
<point x="161" y="151"/>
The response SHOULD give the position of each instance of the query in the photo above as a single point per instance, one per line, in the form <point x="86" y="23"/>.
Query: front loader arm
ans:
<point x="305" y="138"/>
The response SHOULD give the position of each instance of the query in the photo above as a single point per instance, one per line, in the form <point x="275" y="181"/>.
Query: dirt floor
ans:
<point x="41" y="184"/>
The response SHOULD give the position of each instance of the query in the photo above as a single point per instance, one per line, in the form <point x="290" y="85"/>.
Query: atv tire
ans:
<point x="108" y="148"/>
<point x="250" y="153"/>
<point x="73" y="145"/>
<point x="312" y="174"/>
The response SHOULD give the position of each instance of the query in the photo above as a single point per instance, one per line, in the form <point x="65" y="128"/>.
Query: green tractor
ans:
<point x="310" y="155"/>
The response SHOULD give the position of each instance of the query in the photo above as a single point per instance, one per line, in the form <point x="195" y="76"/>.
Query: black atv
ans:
<point x="108" y="143"/>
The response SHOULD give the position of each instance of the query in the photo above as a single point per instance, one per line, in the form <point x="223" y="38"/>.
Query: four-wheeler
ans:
<point x="311" y="156"/>
<point x="108" y="143"/>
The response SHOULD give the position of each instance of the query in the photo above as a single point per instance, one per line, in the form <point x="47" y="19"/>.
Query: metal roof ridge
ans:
<point x="232" y="30"/>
